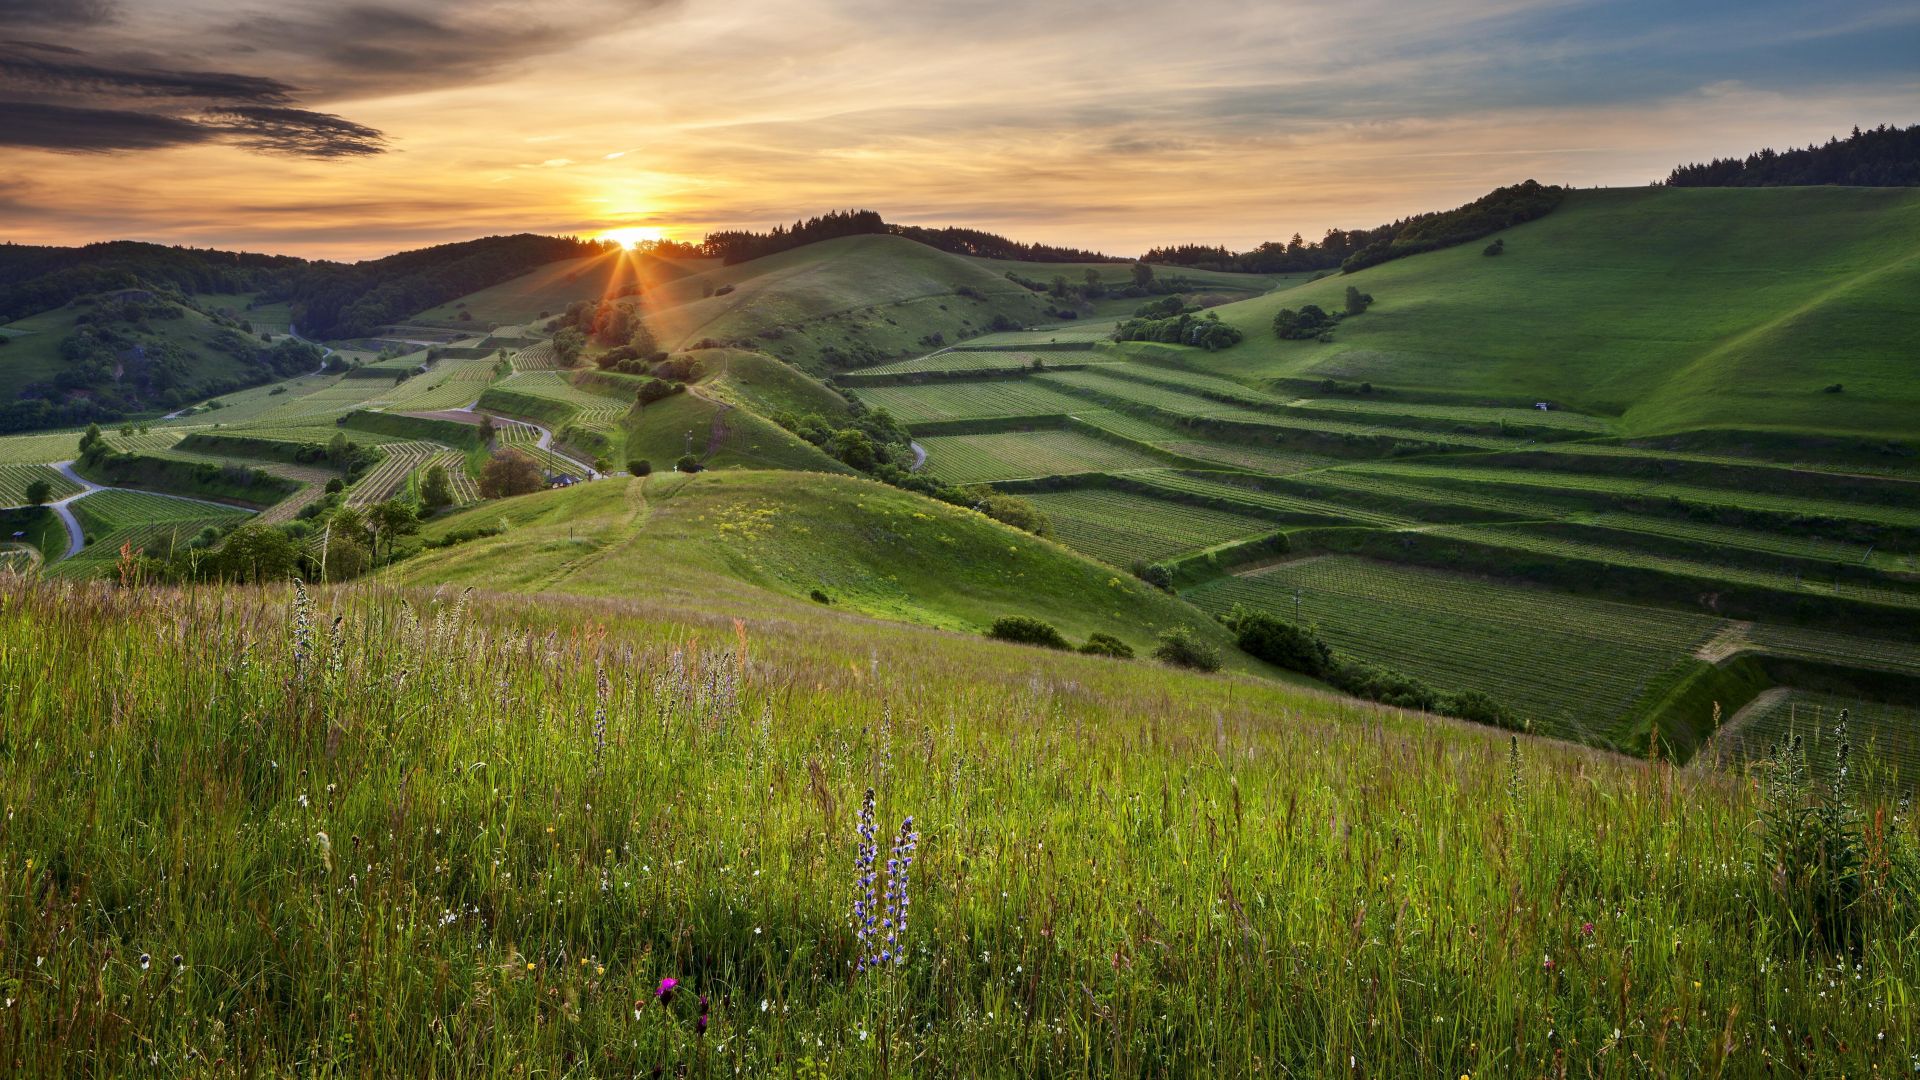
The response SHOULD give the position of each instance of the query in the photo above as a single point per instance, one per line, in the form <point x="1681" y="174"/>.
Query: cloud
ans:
<point x="24" y="70"/>
<point x="62" y="13"/>
<point x="86" y="130"/>
<point x="295" y="131"/>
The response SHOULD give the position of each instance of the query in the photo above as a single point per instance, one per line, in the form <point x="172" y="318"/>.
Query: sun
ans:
<point x="633" y="236"/>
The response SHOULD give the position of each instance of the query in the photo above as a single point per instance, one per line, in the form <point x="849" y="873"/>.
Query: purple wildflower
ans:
<point x="665" y="992"/>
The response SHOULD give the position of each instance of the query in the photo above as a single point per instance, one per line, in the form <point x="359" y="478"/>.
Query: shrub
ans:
<point x="1357" y="301"/>
<point x="1835" y="388"/>
<point x="1027" y="630"/>
<point x="688" y="464"/>
<point x="640" y="467"/>
<point x="436" y="491"/>
<point x="1107" y="645"/>
<point x="1479" y="707"/>
<point x="819" y="597"/>
<point x="1154" y="574"/>
<point x="1498" y="247"/>
<point x="1308" y="322"/>
<point x="1280" y="643"/>
<point x="1181" y="648"/>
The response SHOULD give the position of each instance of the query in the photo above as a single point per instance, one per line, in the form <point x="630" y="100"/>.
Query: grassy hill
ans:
<point x="549" y="289"/>
<point x="1668" y="308"/>
<point x="872" y="549"/>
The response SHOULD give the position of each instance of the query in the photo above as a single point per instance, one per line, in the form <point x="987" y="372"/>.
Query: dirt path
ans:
<point x="1709" y="753"/>
<point x="543" y="439"/>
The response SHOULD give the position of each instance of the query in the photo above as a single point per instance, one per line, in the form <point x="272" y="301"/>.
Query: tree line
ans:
<point x="740" y="245"/>
<point x="1885" y="156"/>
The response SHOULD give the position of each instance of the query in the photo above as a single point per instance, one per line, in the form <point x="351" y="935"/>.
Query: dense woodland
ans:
<point x="737" y="246"/>
<point x="35" y="279"/>
<point x="1879" y="157"/>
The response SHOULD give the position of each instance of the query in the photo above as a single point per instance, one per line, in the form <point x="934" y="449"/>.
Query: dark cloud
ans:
<point x="74" y="13"/>
<point x="296" y="131"/>
<point x="70" y="101"/>
<point x="27" y="69"/>
<point x="83" y="130"/>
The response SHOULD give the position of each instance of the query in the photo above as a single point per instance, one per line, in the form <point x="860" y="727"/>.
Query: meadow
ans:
<point x="433" y="833"/>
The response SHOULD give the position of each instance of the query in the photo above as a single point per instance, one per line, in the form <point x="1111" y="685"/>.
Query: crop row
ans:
<point x="451" y="384"/>
<point x="1274" y="461"/>
<point x="988" y="360"/>
<point x="1521" y="539"/>
<point x="1636" y="487"/>
<point x="1794" y="545"/>
<point x="1009" y="455"/>
<point x="1271" y="501"/>
<point x="1574" y="667"/>
<point x="1473" y="414"/>
<point x="14" y="480"/>
<point x="539" y="357"/>
<point x="1120" y="527"/>
<point x="1339" y="481"/>
<point x="391" y="474"/>
<point x="957" y="401"/>
<point x="1181" y="379"/>
<point x="1885" y="738"/>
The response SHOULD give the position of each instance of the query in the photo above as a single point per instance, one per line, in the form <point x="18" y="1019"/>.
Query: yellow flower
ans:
<point x="529" y="965"/>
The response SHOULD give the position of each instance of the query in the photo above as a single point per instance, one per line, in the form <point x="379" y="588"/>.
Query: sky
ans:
<point x="349" y="129"/>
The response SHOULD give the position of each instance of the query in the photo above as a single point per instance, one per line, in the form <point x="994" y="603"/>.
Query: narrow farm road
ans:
<point x="76" y="536"/>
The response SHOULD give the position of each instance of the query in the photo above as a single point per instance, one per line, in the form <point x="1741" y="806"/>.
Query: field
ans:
<point x="1583" y="668"/>
<point x="14" y="480"/>
<point x="966" y="400"/>
<point x="1123" y="527"/>
<point x="1010" y="455"/>
<point x="1102" y="849"/>
<point x="973" y="359"/>
<point x="111" y="520"/>
<point x="1888" y="735"/>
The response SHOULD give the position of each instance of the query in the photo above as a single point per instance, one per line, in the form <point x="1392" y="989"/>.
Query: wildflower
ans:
<point x="1547" y="963"/>
<point x="179" y="963"/>
<point x="665" y="991"/>
<point x="1586" y="928"/>
<point x="145" y="961"/>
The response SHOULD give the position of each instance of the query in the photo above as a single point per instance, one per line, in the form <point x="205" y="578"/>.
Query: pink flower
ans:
<point x="1586" y="928"/>
<point x="667" y="987"/>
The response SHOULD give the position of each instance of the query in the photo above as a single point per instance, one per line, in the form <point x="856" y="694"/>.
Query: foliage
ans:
<point x="1103" y="644"/>
<point x="1180" y="647"/>
<point x="436" y="490"/>
<point x="639" y="467"/>
<point x="1499" y="209"/>
<point x="1884" y="156"/>
<point x="1202" y="331"/>
<point x="1310" y="321"/>
<point x="1357" y="302"/>
<point x="735" y="246"/>
<point x="1027" y="630"/>
<point x="510" y="472"/>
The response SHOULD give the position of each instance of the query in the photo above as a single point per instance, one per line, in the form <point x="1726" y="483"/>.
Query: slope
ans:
<point x="1675" y="308"/>
<point x="734" y="537"/>
<point x="548" y="290"/>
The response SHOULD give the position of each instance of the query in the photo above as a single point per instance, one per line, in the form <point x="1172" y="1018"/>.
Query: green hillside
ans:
<point x="735" y="536"/>
<point x="1669" y="308"/>
<point x="549" y="289"/>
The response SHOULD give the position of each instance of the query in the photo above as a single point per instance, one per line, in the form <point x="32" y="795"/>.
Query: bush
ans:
<point x="640" y="467"/>
<point x="688" y="464"/>
<point x="1027" y="630"/>
<point x="1154" y="574"/>
<point x="1835" y="388"/>
<point x="1308" y="322"/>
<point x="1107" y="645"/>
<point x="1280" y="643"/>
<point x="1181" y="648"/>
<point x="1498" y="247"/>
<point x="1357" y="301"/>
<point x="1479" y="707"/>
<point x="819" y="597"/>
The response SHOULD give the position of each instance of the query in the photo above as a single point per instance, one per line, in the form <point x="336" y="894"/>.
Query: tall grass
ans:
<point x="397" y="834"/>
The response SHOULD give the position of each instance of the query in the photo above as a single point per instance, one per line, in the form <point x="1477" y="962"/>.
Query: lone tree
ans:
<point x="510" y="472"/>
<point x="38" y="492"/>
<point x="1357" y="301"/>
<point x="436" y="491"/>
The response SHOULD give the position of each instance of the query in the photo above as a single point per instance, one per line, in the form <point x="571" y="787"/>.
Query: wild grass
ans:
<point x="405" y="835"/>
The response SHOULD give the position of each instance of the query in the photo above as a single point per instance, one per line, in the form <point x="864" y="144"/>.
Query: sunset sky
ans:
<point x="347" y="130"/>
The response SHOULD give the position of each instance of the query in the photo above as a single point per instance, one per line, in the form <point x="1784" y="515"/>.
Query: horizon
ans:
<point x="348" y="133"/>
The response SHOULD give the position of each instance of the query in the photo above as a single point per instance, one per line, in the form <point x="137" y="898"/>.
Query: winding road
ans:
<point x="543" y="442"/>
<point x="76" y="536"/>
<point x="919" y="457"/>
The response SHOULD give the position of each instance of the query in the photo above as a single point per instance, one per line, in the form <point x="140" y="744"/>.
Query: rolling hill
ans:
<point x="1669" y="309"/>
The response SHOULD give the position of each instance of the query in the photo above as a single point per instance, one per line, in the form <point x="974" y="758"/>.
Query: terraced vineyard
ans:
<point x="1121" y="527"/>
<point x="1626" y="486"/>
<point x="1261" y="459"/>
<point x="989" y="360"/>
<point x="1387" y="410"/>
<point x="1795" y="545"/>
<point x="1519" y="538"/>
<point x="1830" y="646"/>
<point x="43" y="448"/>
<point x="1281" y="505"/>
<point x="1582" y="669"/>
<point x="113" y="519"/>
<point x="1182" y="379"/>
<point x="969" y="400"/>
<point x="1012" y="455"/>
<point x="1338" y="482"/>
<point x="1129" y="426"/>
<point x="525" y="439"/>
<point x="451" y="384"/>
<point x="1888" y="736"/>
<point x="1090" y="331"/>
<point x="387" y="478"/>
<point x="14" y="480"/>
<point x="539" y="357"/>
<point x="596" y="411"/>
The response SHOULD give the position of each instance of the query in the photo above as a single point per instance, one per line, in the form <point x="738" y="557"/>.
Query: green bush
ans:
<point x="1107" y="645"/>
<point x="688" y="464"/>
<point x="1280" y="643"/>
<point x="1027" y="630"/>
<point x="640" y="467"/>
<point x="1181" y="648"/>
